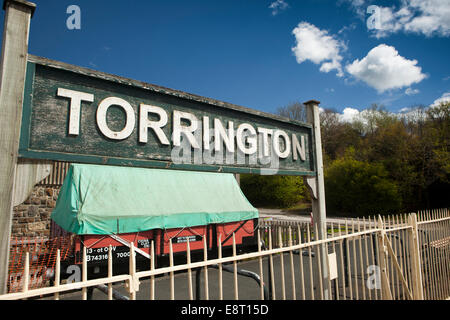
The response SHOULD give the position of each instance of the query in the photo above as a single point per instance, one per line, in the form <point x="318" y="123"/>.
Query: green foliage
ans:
<point x="359" y="188"/>
<point x="384" y="162"/>
<point x="413" y="149"/>
<point x="273" y="190"/>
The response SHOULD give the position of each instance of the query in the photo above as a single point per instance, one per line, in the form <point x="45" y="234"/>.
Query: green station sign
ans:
<point x="79" y="115"/>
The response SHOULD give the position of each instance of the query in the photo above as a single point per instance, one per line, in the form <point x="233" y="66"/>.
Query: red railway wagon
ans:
<point x="107" y="206"/>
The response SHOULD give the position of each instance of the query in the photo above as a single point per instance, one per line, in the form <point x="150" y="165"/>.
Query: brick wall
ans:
<point x="32" y="218"/>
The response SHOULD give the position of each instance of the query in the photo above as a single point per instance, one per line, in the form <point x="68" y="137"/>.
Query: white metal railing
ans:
<point x="392" y="257"/>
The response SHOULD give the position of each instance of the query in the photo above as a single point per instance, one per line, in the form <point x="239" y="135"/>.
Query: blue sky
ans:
<point x="241" y="51"/>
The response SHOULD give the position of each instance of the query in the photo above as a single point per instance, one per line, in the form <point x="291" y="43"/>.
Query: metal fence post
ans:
<point x="416" y="268"/>
<point x="385" y="289"/>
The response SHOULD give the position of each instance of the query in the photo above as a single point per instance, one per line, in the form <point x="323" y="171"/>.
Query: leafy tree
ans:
<point x="391" y="145"/>
<point x="355" y="187"/>
<point x="273" y="191"/>
<point x="433" y="157"/>
<point x="337" y="136"/>
<point x="410" y="151"/>
<point x="294" y="111"/>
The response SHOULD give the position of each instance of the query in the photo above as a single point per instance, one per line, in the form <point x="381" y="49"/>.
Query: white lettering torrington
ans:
<point x="187" y="128"/>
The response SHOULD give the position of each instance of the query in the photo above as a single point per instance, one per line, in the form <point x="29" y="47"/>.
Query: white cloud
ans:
<point x="278" y="6"/>
<point x="444" y="98"/>
<point x="432" y="17"/>
<point x="349" y="115"/>
<point x="319" y="47"/>
<point x="384" y="69"/>
<point x="411" y="92"/>
<point x="427" y="17"/>
<point x="405" y="109"/>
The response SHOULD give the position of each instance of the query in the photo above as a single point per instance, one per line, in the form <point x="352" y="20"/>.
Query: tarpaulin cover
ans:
<point x="98" y="199"/>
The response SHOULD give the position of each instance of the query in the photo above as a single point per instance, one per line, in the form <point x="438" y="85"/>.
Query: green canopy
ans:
<point x="107" y="199"/>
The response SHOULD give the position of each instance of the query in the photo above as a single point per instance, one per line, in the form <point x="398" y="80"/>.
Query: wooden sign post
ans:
<point x="316" y="186"/>
<point x="13" y="69"/>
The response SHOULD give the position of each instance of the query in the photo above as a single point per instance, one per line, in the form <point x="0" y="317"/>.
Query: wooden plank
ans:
<point x="57" y="174"/>
<point x="12" y="73"/>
